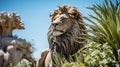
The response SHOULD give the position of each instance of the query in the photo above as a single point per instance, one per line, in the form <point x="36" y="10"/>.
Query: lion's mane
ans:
<point x="71" y="41"/>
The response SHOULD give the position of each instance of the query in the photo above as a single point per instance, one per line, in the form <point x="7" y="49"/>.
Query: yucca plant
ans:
<point x="105" y="27"/>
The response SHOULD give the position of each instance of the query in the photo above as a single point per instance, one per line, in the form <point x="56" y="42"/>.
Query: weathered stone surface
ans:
<point x="12" y="49"/>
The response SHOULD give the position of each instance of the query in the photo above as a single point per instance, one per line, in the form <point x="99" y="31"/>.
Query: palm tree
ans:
<point x="105" y="27"/>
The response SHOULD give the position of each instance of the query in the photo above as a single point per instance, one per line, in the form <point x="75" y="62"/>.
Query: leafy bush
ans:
<point x="24" y="63"/>
<point x="97" y="55"/>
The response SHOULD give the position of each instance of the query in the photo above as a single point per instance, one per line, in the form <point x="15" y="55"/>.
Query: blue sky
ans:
<point x="35" y="15"/>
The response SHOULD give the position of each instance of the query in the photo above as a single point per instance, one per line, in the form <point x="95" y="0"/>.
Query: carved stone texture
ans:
<point x="8" y="22"/>
<point x="12" y="49"/>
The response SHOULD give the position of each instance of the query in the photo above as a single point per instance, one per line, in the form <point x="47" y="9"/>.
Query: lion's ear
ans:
<point x="53" y="14"/>
<point x="73" y="12"/>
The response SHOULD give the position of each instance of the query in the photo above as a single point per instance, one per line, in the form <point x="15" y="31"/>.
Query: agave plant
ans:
<point x="105" y="27"/>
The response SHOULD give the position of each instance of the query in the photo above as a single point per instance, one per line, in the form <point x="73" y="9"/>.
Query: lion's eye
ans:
<point x="63" y="19"/>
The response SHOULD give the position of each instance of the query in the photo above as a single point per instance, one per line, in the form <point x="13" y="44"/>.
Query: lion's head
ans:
<point x="8" y="22"/>
<point x="10" y="19"/>
<point x="66" y="31"/>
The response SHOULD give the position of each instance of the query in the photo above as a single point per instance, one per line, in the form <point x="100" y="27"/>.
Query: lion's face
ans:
<point x="61" y="24"/>
<point x="17" y="24"/>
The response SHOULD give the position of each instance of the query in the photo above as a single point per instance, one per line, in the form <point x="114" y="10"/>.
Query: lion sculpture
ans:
<point x="8" y="22"/>
<point x="65" y="34"/>
<point x="12" y="48"/>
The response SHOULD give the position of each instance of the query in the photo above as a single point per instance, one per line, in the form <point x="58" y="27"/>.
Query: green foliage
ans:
<point x="58" y="60"/>
<point x="61" y="62"/>
<point x="97" y="55"/>
<point x="74" y="64"/>
<point x="24" y="63"/>
<point x="105" y="26"/>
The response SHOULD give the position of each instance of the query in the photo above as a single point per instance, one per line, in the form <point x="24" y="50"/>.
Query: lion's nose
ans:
<point x="55" y="24"/>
